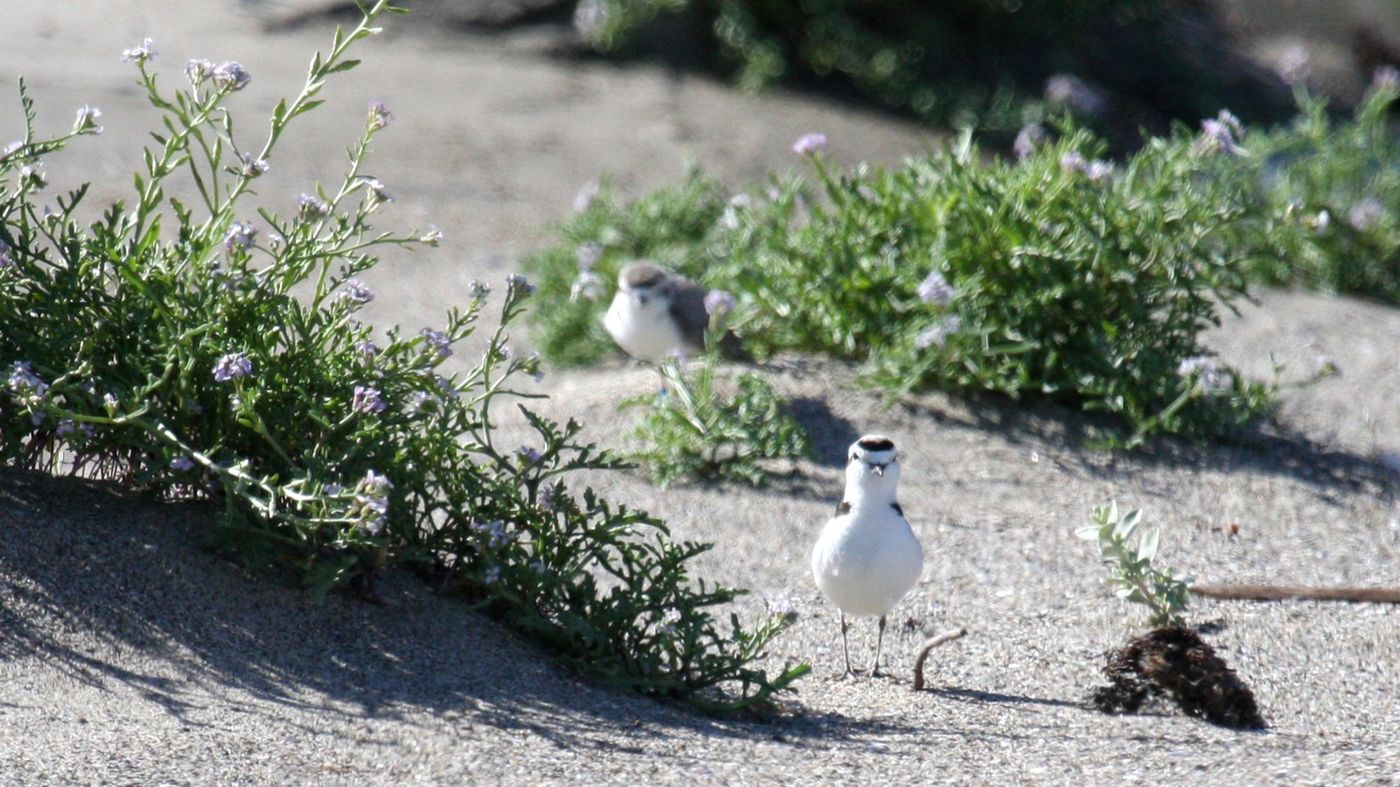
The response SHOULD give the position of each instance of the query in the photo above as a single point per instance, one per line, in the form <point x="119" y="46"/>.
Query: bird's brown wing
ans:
<point x="688" y="310"/>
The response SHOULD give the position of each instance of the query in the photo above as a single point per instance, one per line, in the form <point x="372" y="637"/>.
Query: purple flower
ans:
<point x="545" y="500"/>
<point x="367" y="350"/>
<point x="1294" y="65"/>
<point x="240" y="236"/>
<point x="1386" y="78"/>
<point x="587" y="255"/>
<point x="109" y="401"/>
<point x="585" y="196"/>
<point x="65" y="427"/>
<point x="529" y="454"/>
<point x="730" y="218"/>
<point x="1097" y="171"/>
<point x="372" y="502"/>
<point x="198" y="70"/>
<point x="420" y="401"/>
<point x="1028" y="139"/>
<point x="310" y="206"/>
<point x="438" y="341"/>
<point x="1366" y="214"/>
<point x="935" y="289"/>
<point x="1072" y="161"/>
<point x="1322" y="221"/>
<point x="939" y="333"/>
<point x="181" y="464"/>
<point x="809" y="144"/>
<point x="1217" y="135"/>
<point x="231" y="76"/>
<point x="367" y="400"/>
<point x="5" y="260"/>
<point x="379" y="114"/>
<point x="589" y="17"/>
<point x="25" y="382"/>
<point x="86" y="122"/>
<point x="478" y="290"/>
<point x="253" y="166"/>
<point x="232" y="366"/>
<point x="140" y="54"/>
<point x="445" y="386"/>
<point x="1073" y="92"/>
<point x="494" y="533"/>
<point x="1205" y="371"/>
<point x="719" y="303"/>
<point x="356" y="292"/>
<point x="517" y="283"/>
<point x="587" y="285"/>
<point x="1231" y="122"/>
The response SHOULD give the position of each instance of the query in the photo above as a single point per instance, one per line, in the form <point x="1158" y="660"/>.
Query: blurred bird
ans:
<point x="656" y="312"/>
<point x="867" y="557"/>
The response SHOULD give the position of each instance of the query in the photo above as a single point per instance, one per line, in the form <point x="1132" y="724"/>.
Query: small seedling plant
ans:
<point x="214" y="350"/>
<point x="1171" y="660"/>
<point x="1129" y="555"/>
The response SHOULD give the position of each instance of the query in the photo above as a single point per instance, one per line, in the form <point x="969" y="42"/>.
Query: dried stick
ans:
<point x="1285" y="593"/>
<point x="929" y="645"/>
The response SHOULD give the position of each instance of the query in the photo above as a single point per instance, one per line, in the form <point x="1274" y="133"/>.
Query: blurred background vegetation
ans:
<point x="1121" y="66"/>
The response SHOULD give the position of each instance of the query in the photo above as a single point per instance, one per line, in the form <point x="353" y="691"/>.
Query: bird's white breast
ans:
<point x="866" y="560"/>
<point x="646" y="332"/>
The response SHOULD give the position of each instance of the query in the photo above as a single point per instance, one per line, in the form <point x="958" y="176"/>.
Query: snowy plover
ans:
<point x="656" y="312"/>
<point x="867" y="557"/>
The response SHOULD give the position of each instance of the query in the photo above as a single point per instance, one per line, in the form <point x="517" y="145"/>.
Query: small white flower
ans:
<point x="935" y="289"/>
<point x="1366" y="214"/>
<point x="140" y="54"/>
<point x="1211" y="376"/>
<point x="938" y="334"/>
<point x="809" y="144"/>
<point x="252" y="165"/>
<point x="198" y="70"/>
<point x="86" y="122"/>
<point x="1028" y="139"/>
<point x="231" y="76"/>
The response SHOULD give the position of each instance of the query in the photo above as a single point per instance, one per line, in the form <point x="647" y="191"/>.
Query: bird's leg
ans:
<point x="845" y="649"/>
<point x="875" y="668"/>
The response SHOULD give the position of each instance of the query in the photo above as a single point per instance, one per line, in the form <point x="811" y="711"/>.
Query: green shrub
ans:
<point x="1331" y="192"/>
<point x="967" y="63"/>
<point x="1058" y="276"/>
<point x="213" y="350"/>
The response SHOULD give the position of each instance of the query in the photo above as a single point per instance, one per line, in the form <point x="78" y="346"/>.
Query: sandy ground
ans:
<point x="129" y="655"/>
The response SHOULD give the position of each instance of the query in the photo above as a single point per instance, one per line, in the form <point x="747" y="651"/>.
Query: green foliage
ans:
<point x="1130" y="566"/>
<point x="182" y="350"/>
<point x="1057" y="276"/>
<point x="692" y="431"/>
<point x="969" y="63"/>
<point x="1331" y="192"/>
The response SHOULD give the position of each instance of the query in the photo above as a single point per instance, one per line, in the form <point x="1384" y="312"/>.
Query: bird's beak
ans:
<point x="879" y="469"/>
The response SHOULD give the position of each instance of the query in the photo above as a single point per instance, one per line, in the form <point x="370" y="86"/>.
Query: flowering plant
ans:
<point x="1056" y="276"/>
<point x="214" y="351"/>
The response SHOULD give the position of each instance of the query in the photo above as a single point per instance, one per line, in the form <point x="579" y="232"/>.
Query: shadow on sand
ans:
<point x="94" y="582"/>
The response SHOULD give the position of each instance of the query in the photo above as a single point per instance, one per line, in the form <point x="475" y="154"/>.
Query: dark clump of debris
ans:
<point x="1175" y="663"/>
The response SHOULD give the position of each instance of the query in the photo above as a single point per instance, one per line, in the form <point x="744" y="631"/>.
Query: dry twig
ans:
<point x="929" y="645"/>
